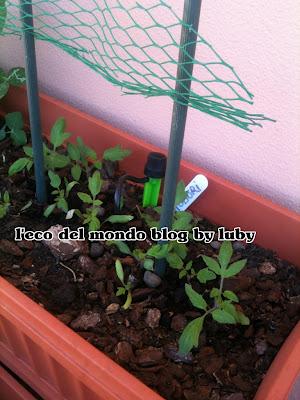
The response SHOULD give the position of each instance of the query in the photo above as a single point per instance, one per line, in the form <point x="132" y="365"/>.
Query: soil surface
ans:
<point x="81" y="292"/>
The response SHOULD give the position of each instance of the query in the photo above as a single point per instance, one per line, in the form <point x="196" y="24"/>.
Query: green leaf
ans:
<point x="212" y="264"/>
<point x="128" y="301"/>
<point x="242" y="318"/>
<point x="4" y="86"/>
<point x="14" y="120"/>
<point x="28" y="151"/>
<point x="223" y="317"/>
<point x="97" y="164"/>
<point x="182" y="273"/>
<point x="85" y="150"/>
<point x="55" y="160"/>
<point x="94" y="224"/>
<point x="86" y="198"/>
<point x="230" y="296"/>
<point x="190" y="335"/>
<point x="18" y="137"/>
<point x="76" y="172"/>
<point x="182" y="221"/>
<point x="6" y="197"/>
<point x="18" y="166"/>
<point x="3" y="14"/>
<point x="148" y="264"/>
<point x="116" y="153"/>
<point x="195" y="298"/>
<point x="121" y="291"/>
<point x="138" y="254"/>
<point x="55" y="180"/>
<point x="119" y="270"/>
<point x="69" y="187"/>
<point x="214" y="293"/>
<point x="95" y="183"/>
<point x="225" y="254"/>
<point x="235" y="268"/>
<point x="73" y="151"/>
<point x="180" y="249"/>
<point x="180" y="193"/>
<point x="119" y="219"/>
<point x="27" y="205"/>
<point x="62" y="204"/>
<point x="16" y="76"/>
<point x="58" y="135"/>
<point x="205" y="275"/>
<point x="174" y="260"/>
<point x="189" y="265"/>
<point x="158" y="251"/>
<point x="49" y="210"/>
<point x="122" y="246"/>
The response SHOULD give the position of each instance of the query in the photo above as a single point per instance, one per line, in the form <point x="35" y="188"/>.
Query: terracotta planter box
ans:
<point x="59" y="364"/>
<point x="10" y="388"/>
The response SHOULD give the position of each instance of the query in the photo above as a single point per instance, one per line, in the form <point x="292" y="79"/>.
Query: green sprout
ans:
<point x="14" y="127"/>
<point x="4" y="204"/>
<point x="125" y="289"/>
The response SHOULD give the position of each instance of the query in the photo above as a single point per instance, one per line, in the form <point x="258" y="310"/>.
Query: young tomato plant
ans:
<point x="83" y="159"/>
<point x="53" y="159"/>
<point x="125" y="289"/>
<point x="15" y="77"/>
<point x="223" y="310"/>
<point x="14" y="127"/>
<point x="91" y="214"/>
<point x="60" y="201"/>
<point x="4" y="204"/>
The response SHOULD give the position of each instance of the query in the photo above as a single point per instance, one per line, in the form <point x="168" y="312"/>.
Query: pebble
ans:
<point x="93" y="296"/>
<point x="112" y="308"/>
<point x="215" y="244"/>
<point x="149" y="356"/>
<point x="96" y="250"/>
<point x="8" y="247"/>
<point x="64" y="249"/>
<point x="178" y="322"/>
<point x="267" y="268"/>
<point x="123" y="351"/>
<point x="171" y="352"/>
<point x="152" y="280"/>
<point x="261" y="347"/>
<point x="87" y="264"/>
<point x="153" y="317"/>
<point x="86" y="321"/>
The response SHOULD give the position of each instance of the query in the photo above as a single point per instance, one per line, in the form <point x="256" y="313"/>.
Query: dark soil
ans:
<point x="231" y="360"/>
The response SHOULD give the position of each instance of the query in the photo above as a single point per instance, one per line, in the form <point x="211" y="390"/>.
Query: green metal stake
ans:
<point x="188" y="42"/>
<point x="33" y="100"/>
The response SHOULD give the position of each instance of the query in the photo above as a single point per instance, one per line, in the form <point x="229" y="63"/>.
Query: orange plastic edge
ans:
<point x="10" y="389"/>
<point x="224" y="203"/>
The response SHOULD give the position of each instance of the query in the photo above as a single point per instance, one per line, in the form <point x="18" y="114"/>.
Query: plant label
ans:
<point x="194" y="189"/>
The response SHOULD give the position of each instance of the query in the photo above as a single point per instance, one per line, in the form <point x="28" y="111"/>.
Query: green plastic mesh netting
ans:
<point x="135" y="45"/>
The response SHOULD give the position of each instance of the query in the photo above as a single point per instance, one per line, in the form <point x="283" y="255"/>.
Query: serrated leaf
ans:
<point x="95" y="183"/>
<point x="242" y="318"/>
<point x="190" y="335"/>
<point x="158" y="251"/>
<point x="58" y="134"/>
<point x="195" y="298"/>
<point x="62" y="204"/>
<point x="119" y="270"/>
<point x="223" y="317"/>
<point x="55" y="160"/>
<point x="119" y="219"/>
<point x="174" y="260"/>
<point x="148" y="264"/>
<point x="76" y="172"/>
<point x="16" y="76"/>
<point x="182" y="221"/>
<point x="212" y="264"/>
<point x="230" y="296"/>
<point x="28" y="151"/>
<point x="225" y="254"/>
<point x="49" y="210"/>
<point x="180" y="193"/>
<point x="120" y="291"/>
<point x="55" y="180"/>
<point x="4" y="86"/>
<point x="14" y="120"/>
<point x="234" y="268"/>
<point x="214" y="293"/>
<point x="116" y="153"/>
<point x="180" y="249"/>
<point x="94" y="224"/>
<point x="18" y="166"/>
<point x="122" y="246"/>
<point x="182" y="274"/>
<point x="86" y="198"/>
<point x="205" y="275"/>
<point x="18" y="137"/>
<point x="73" y="151"/>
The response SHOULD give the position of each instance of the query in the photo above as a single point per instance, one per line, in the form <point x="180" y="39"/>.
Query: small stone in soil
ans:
<point x="8" y="247"/>
<point x="153" y="317"/>
<point x="152" y="280"/>
<point x="93" y="296"/>
<point x="87" y="264"/>
<point x="178" y="322"/>
<point x="123" y="351"/>
<point x="64" y="249"/>
<point x="261" y="347"/>
<point x="149" y="356"/>
<point x="267" y="268"/>
<point x="112" y="308"/>
<point x="215" y="245"/>
<point x="171" y="352"/>
<point x="86" y="321"/>
<point x="96" y="250"/>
